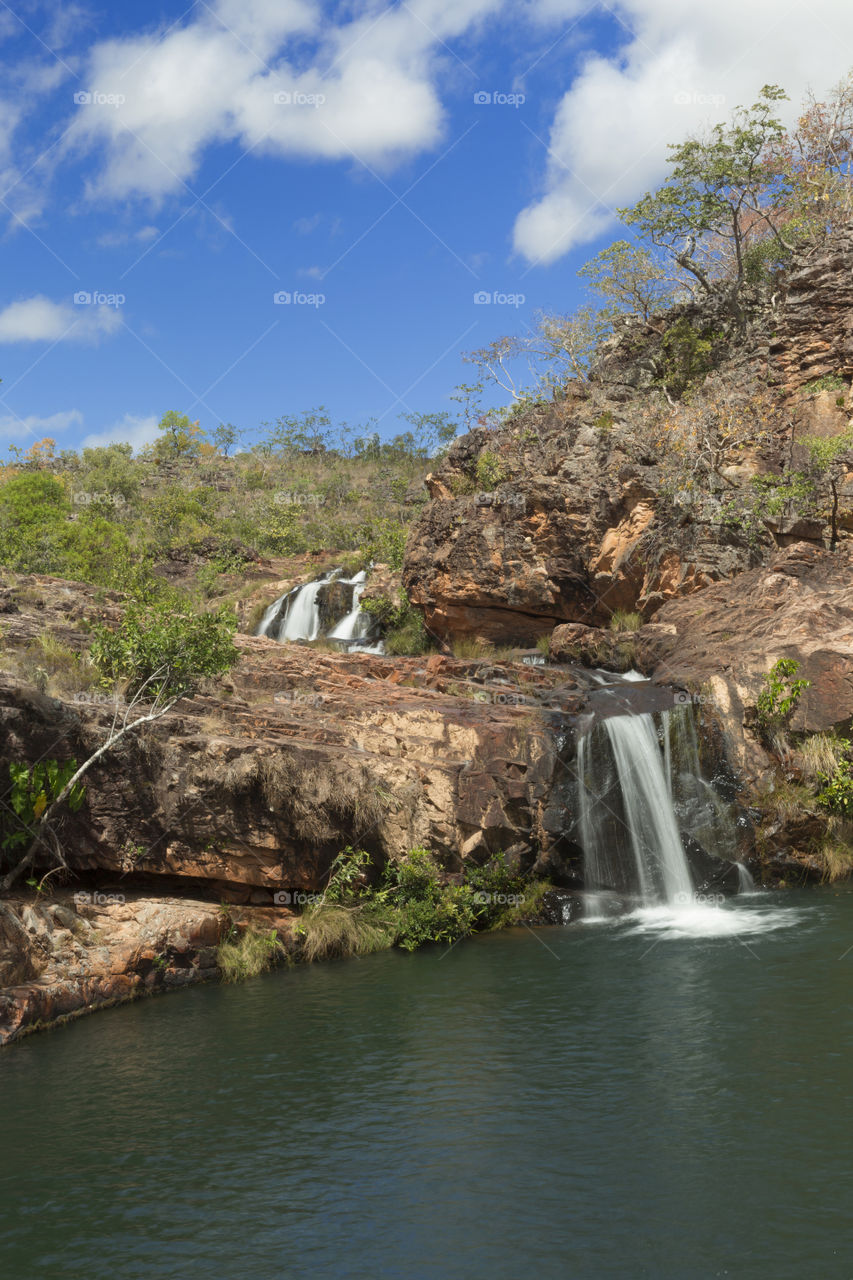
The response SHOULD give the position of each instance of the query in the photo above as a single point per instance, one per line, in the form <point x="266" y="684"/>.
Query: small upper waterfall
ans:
<point x="297" y="615"/>
<point x="356" y="624"/>
<point x="643" y="806"/>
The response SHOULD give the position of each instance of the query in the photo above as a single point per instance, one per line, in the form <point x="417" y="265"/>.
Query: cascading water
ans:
<point x="356" y="624"/>
<point x="629" y="833"/>
<point x="638" y="790"/>
<point x="296" y="614"/>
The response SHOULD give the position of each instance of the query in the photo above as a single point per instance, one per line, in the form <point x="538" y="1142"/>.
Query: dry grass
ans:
<point x="621" y="620"/>
<point x="819" y="754"/>
<point x="248" y="955"/>
<point x="836" y="850"/>
<point x="328" y="930"/>
<point x="469" y="647"/>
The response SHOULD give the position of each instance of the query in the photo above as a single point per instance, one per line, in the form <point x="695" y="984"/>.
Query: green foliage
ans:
<point x="225" y="436"/>
<point x="630" y="278"/>
<point x="383" y="541"/>
<point x="33" y="788"/>
<point x="712" y="184"/>
<point x="829" y="382"/>
<point x="181" y="438"/>
<point x="428" y="910"/>
<point x="687" y="355"/>
<point x="400" y="624"/>
<point x="622" y="620"/>
<point x="173" y="650"/>
<point x="836" y="786"/>
<point x="245" y="955"/>
<point x="410" y="905"/>
<point x="604" y="422"/>
<point x="776" y="702"/>
<point x="490" y="471"/>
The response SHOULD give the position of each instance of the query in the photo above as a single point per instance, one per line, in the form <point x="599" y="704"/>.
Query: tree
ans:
<point x="180" y="439"/>
<point x="630" y="278"/>
<point x="720" y="195"/>
<point x="814" y="164"/>
<point x="829" y="457"/>
<point x="225" y="436"/>
<point x="161" y="656"/>
<point x="561" y="347"/>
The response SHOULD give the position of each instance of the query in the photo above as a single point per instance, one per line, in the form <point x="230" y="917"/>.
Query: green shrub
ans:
<point x="490" y="471"/>
<point x="33" y="788"/>
<point x="621" y="620"/>
<point x="776" y="702"/>
<point x="172" y="650"/>
<point x="829" y="382"/>
<point x="836" y="786"/>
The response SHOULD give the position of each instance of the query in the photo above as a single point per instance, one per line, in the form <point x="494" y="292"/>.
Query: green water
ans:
<point x="656" y="1098"/>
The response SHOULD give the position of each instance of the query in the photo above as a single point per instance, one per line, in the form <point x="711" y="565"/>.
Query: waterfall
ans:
<point x="659" y="858"/>
<point x="636" y="791"/>
<point x="296" y="615"/>
<point x="356" y="624"/>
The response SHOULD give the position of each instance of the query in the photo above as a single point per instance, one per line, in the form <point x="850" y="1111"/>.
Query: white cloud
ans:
<point x="39" y="319"/>
<point x="366" y="91"/>
<point x="34" y="428"/>
<point x="132" y="429"/>
<point x="608" y="139"/>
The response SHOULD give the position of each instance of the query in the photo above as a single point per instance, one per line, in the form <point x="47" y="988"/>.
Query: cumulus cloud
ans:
<point x="34" y="428"/>
<point x="239" y="72"/>
<point x="39" y="319"/>
<point x="132" y="429"/>
<point x="678" y="68"/>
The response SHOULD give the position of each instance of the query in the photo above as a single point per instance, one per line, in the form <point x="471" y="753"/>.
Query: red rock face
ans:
<point x="722" y="640"/>
<point x="564" y="539"/>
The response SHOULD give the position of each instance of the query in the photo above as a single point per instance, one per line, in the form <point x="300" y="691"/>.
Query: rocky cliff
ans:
<point x="615" y="498"/>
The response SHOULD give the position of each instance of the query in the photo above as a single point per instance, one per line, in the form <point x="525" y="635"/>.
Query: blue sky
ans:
<point x="183" y="165"/>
